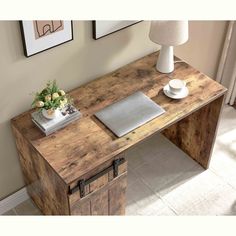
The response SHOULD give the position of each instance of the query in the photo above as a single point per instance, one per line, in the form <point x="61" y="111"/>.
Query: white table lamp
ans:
<point x="168" y="34"/>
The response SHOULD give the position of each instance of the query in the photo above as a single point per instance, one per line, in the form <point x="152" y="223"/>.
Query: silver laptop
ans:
<point x="129" y="113"/>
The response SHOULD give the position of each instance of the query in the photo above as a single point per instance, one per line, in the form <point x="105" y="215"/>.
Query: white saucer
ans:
<point x="182" y="94"/>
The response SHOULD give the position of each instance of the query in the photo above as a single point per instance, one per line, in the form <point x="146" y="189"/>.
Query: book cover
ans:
<point x="68" y="113"/>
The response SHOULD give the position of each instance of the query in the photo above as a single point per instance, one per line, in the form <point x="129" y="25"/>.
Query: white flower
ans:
<point x="55" y="95"/>
<point x="65" y="100"/>
<point x="48" y="97"/>
<point x="61" y="92"/>
<point x="39" y="104"/>
<point x="62" y="104"/>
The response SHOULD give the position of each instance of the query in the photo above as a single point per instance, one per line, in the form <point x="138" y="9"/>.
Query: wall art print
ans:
<point x="41" y="35"/>
<point x="102" y="28"/>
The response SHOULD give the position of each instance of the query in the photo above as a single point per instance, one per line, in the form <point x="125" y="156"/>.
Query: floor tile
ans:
<point x="132" y="177"/>
<point x="205" y="194"/>
<point x="180" y="180"/>
<point x="142" y="201"/>
<point x="227" y="121"/>
<point x="223" y="198"/>
<point x="134" y="157"/>
<point x="140" y="193"/>
<point x="27" y="208"/>
<point x="131" y="208"/>
<point x="157" y="208"/>
<point x="161" y="173"/>
<point x="224" y="165"/>
<point x="9" y="213"/>
<point x="223" y="161"/>
<point x="154" y="147"/>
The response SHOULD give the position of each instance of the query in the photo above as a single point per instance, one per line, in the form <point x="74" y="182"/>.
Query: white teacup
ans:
<point x="176" y="85"/>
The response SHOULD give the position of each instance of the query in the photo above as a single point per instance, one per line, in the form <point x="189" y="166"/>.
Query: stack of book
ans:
<point x="66" y="115"/>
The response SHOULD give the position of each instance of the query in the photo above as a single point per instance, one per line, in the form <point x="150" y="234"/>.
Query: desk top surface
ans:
<point x="84" y="144"/>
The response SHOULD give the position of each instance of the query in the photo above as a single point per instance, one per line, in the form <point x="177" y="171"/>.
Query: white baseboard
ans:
<point x="13" y="200"/>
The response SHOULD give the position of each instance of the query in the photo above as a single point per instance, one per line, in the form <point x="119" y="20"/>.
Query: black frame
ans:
<point x="24" y="43"/>
<point x="94" y="29"/>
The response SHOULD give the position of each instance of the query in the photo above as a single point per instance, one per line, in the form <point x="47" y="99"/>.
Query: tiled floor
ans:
<point x="162" y="180"/>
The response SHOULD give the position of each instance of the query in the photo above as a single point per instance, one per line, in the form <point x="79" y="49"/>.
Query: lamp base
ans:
<point x="165" y="61"/>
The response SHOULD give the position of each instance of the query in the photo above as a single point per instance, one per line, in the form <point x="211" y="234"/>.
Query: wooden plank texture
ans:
<point x="104" y="196"/>
<point x="110" y="199"/>
<point x="45" y="187"/>
<point x="196" y="133"/>
<point x="99" y="183"/>
<point x="85" y="144"/>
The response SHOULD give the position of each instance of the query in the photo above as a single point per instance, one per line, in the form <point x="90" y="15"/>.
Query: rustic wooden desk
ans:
<point x="73" y="171"/>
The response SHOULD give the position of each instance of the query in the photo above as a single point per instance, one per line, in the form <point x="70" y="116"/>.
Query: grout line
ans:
<point x="169" y="206"/>
<point x="14" y="209"/>
<point x="156" y="194"/>
<point x="159" y="196"/>
<point x="152" y="191"/>
<point x="17" y="213"/>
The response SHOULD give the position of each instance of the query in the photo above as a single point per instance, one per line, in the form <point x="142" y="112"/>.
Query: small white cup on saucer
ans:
<point x="176" y="89"/>
<point x="176" y="86"/>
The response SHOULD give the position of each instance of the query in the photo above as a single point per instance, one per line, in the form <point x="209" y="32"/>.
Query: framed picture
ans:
<point x="102" y="28"/>
<point x="38" y="36"/>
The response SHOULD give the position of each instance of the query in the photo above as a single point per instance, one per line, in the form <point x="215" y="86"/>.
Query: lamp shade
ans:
<point x="169" y="33"/>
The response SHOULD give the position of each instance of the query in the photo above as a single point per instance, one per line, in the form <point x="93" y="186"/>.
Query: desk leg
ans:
<point x="196" y="133"/>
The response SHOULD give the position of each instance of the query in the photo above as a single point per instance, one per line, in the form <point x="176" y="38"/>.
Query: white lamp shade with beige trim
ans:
<point x="168" y="34"/>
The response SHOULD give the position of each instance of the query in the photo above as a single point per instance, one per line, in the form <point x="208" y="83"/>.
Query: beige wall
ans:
<point x="75" y="63"/>
<point x="204" y="46"/>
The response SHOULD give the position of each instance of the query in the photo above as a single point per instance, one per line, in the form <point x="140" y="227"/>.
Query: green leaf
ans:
<point x="49" y="90"/>
<point x="54" y="87"/>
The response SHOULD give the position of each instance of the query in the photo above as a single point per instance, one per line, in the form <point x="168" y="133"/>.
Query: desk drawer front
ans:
<point x="104" y="195"/>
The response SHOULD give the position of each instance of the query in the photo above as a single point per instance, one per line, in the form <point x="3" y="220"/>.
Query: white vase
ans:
<point x="50" y="114"/>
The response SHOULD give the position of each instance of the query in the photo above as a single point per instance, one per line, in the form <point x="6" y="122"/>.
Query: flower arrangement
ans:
<point x="51" y="98"/>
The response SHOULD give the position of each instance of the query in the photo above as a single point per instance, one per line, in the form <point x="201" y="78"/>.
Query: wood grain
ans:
<point x="45" y="187"/>
<point x="85" y="144"/>
<point x="196" y="133"/>
<point x="107" y="200"/>
<point x="117" y="197"/>
<point x="99" y="183"/>
<point x="103" y="196"/>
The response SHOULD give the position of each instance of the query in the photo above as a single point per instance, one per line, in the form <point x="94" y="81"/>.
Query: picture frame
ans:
<point x="39" y="36"/>
<point x="103" y="28"/>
